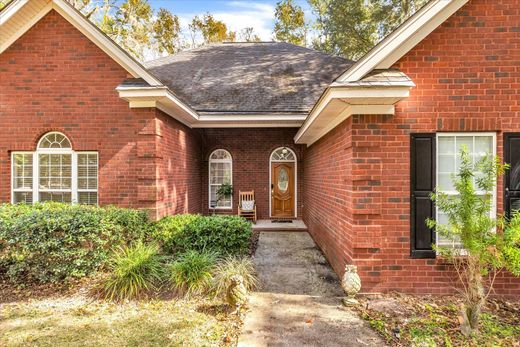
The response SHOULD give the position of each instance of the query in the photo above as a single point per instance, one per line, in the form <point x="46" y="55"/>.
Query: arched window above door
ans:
<point x="283" y="154"/>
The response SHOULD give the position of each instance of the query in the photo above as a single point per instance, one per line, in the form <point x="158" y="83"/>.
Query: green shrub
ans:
<point x="51" y="242"/>
<point x="192" y="271"/>
<point x="134" y="270"/>
<point x="222" y="234"/>
<point x="232" y="266"/>
<point x="167" y="230"/>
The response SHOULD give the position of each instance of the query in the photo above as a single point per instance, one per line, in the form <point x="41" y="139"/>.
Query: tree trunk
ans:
<point x="475" y="299"/>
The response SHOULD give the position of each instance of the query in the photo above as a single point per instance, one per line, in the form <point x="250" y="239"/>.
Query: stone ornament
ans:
<point x="351" y="284"/>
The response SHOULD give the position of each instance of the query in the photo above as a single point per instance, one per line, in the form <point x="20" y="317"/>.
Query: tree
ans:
<point x="488" y="244"/>
<point x="166" y="30"/>
<point x="212" y="30"/>
<point x="248" y="35"/>
<point x="133" y="24"/>
<point x="3" y="3"/>
<point x="352" y="27"/>
<point x="290" y="23"/>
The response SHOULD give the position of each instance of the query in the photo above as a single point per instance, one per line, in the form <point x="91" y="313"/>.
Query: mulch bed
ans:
<point x="407" y="320"/>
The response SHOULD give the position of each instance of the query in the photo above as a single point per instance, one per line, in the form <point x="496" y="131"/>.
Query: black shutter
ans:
<point x="422" y="165"/>
<point x="512" y="176"/>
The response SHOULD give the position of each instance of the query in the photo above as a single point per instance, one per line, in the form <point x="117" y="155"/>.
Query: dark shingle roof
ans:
<point x="265" y="77"/>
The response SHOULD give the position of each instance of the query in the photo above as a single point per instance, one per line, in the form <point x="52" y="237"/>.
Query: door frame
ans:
<point x="295" y="161"/>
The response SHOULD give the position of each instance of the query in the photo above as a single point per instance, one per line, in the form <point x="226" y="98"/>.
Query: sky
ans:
<point x="236" y="14"/>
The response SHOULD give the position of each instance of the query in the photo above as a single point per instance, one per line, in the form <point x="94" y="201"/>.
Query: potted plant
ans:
<point x="223" y="192"/>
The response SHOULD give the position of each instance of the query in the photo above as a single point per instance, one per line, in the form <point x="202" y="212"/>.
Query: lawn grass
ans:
<point x="81" y="322"/>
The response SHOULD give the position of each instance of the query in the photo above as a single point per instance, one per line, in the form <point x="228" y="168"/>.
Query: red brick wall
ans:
<point x="54" y="78"/>
<point x="468" y="79"/>
<point x="180" y="169"/>
<point x="250" y="150"/>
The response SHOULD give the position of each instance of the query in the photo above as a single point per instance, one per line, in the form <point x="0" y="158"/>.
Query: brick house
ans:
<point x="352" y="148"/>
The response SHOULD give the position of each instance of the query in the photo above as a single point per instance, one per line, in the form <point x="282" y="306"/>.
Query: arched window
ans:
<point x="54" y="172"/>
<point x="220" y="172"/>
<point x="283" y="154"/>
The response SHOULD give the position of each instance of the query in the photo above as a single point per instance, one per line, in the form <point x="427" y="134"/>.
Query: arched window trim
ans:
<point x="39" y="147"/>
<point x="228" y="160"/>
<point x="290" y="151"/>
<point x="74" y="190"/>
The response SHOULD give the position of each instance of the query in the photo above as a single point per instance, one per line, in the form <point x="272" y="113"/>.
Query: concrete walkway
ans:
<point x="299" y="301"/>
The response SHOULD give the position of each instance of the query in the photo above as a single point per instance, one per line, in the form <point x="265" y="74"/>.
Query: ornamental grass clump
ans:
<point x="488" y="245"/>
<point x="229" y="267"/>
<point x="192" y="271"/>
<point x="134" y="271"/>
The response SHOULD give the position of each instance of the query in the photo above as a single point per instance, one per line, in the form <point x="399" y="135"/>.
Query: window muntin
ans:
<point x="55" y="173"/>
<point x="22" y="181"/>
<point x="54" y="140"/>
<point x="283" y="154"/>
<point x="449" y="146"/>
<point x="220" y="172"/>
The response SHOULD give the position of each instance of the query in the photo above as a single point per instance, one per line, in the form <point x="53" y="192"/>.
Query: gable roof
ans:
<point x="403" y="38"/>
<point x="244" y="78"/>
<point x="20" y="15"/>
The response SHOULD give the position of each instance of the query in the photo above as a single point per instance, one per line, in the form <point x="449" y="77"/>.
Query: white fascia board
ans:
<point x="88" y="29"/>
<point x="339" y="103"/>
<point x="253" y="118"/>
<point x="403" y="39"/>
<point x="162" y="98"/>
<point x="24" y="28"/>
<point x="11" y="9"/>
<point x="248" y="124"/>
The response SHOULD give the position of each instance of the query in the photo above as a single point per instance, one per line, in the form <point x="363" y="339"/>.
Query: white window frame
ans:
<point x="225" y="161"/>
<point x="20" y="190"/>
<point x="36" y="170"/>
<point x="295" y="161"/>
<point x="451" y="192"/>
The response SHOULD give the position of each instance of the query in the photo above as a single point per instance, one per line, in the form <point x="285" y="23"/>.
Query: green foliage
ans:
<point x="167" y="31"/>
<point x="352" y="27"/>
<point x="290" y="23"/>
<point x="491" y="241"/>
<point x="211" y="30"/>
<point x="222" y="234"/>
<point x="489" y="244"/>
<point x="51" y="242"/>
<point x="170" y="228"/>
<point x="192" y="271"/>
<point x="134" y="270"/>
<point x="224" y="191"/>
<point x="232" y="266"/>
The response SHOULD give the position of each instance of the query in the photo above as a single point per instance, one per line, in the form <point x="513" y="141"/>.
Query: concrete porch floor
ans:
<point x="269" y="225"/>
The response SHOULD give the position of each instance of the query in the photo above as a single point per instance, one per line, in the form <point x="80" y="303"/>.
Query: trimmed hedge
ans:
<point x="51" y="242"/>
<point x="222" y="234"/>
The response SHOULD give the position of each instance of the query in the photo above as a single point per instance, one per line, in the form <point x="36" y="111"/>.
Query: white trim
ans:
<point x="295" y="161"/>
<point x="24" y="28"/>
<point x="340" y="102"/>
<point x="94" y="34"/>
<point x="403" y="39"/>
<point x="224" y="161"/>
<point x="493" y="135"/>
<point x="11" y="9"/>
<point x="13" y="190"/>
